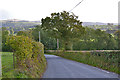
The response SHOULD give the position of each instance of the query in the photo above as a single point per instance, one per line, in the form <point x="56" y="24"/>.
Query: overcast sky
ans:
<point x="88" y="11"/>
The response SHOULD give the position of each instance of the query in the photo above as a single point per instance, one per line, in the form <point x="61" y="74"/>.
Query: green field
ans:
<point x="8" y="70"/>
<point x="7" y="65"/>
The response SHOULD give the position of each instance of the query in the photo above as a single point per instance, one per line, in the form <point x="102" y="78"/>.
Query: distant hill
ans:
<point x="108" y="27"/>
<point x="96" y="23"/>
<point x="19" y="25"/>
<point x="22" y="23"/>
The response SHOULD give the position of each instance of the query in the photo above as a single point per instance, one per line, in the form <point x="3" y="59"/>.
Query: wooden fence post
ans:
<point x="13" y="61"/>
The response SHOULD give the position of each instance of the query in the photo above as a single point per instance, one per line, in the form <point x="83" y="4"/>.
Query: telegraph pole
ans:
<point x="57" y="44"/>
<point x="39" y="37"/>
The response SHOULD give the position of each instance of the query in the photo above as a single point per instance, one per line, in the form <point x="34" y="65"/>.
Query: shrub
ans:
<point x="29" y="55"/>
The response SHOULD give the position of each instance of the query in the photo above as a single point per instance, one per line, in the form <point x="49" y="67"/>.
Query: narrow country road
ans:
<point x="62" y="68"/>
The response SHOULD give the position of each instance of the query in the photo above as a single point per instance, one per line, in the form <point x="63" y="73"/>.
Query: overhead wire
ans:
<point x="76" y="5"/>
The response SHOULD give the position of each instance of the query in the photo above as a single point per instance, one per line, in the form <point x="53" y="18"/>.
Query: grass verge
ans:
<point x="8" y="70"/>
<point x="7" y="65"/>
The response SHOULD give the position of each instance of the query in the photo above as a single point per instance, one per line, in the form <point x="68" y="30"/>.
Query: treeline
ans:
<point x="91" y="40"/>
<point x="96" y="40"/>
<point x="65" y="30"/>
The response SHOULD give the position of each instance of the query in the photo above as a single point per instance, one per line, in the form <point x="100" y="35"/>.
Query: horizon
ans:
<point x="40" y="21"/>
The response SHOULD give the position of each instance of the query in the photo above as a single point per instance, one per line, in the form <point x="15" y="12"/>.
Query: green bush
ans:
<point x="29" y="55"/>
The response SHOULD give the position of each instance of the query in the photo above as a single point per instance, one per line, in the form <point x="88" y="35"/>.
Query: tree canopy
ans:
<point x="64" y="26"/>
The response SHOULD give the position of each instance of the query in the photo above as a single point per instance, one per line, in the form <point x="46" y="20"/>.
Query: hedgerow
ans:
<point x="29" y="56"/>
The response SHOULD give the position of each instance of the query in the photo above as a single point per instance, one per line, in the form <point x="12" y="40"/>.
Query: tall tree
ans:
<point x="64" y="26"/>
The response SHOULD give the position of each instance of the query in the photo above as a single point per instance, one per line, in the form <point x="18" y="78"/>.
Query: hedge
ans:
<point x="29" y="56"/>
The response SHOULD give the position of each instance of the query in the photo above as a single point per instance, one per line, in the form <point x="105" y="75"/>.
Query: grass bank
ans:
<point x="7" y="65"/>
<point x="8" y="70"/>
<point x="104" y="60"/>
